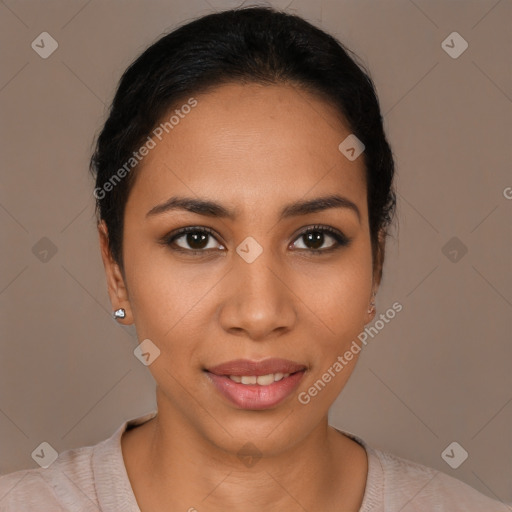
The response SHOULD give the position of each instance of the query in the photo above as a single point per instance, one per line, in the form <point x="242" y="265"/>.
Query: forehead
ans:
<point x="252" y="144"/>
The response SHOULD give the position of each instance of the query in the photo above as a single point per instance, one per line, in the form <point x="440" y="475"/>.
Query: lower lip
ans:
<point x="254" y="396"/>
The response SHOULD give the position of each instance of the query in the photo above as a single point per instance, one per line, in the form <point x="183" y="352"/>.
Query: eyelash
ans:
<point x="340" y="239"/>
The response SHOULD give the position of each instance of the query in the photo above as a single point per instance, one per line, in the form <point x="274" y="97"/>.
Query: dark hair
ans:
<point x="258" y="45"/>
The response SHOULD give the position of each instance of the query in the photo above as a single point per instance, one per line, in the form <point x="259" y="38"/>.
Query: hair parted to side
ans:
<point x="247" y="45"/>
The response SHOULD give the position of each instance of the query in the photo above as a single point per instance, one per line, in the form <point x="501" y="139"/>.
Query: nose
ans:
<point x="259" y="303"/>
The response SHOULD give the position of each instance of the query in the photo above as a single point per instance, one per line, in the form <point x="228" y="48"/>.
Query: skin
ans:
<point x="243" y="146"/>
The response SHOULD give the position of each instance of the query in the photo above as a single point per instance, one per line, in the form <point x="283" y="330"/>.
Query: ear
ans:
<point x="117" y="290"/>
<point x="378" y="265"/>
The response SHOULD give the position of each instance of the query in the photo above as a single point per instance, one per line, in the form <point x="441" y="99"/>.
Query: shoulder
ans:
<point x="68" y="480"/>
<point x="394" y="483"/>
<point x="88" y="479"/>
<point x="27" y="488"/>
<point x="409" y="486"/>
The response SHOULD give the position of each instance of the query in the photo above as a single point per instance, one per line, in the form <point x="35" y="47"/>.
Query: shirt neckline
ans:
<point x="114" y="490"/>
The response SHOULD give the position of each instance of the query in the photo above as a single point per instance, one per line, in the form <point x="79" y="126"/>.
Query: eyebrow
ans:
<point x="212" y="209"/>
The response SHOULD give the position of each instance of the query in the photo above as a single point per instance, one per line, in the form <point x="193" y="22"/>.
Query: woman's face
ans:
<point x="252" y="287"/>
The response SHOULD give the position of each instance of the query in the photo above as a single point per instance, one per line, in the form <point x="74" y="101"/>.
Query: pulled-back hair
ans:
<point x="248" y="45"/>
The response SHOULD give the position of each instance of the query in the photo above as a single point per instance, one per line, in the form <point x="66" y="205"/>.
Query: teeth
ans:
<point x="262" y="380"/>
<point x="265" y="380"/>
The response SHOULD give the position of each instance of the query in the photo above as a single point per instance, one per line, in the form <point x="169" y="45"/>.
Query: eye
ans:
<point x="313" y="239"/>
<point x="198" y="240"/>
<point x="192" y="239"/>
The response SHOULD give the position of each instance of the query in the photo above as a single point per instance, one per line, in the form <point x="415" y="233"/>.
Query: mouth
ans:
<point x="256" y="385"/>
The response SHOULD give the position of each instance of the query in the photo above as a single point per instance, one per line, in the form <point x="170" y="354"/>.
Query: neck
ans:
<point x="174" y="466"/>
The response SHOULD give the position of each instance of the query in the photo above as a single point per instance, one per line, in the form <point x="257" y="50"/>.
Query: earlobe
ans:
<point x="116" y="286"/>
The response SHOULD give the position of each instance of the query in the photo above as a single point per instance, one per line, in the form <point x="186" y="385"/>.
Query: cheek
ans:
<point x="340" y="304"/>
<point x="338" y="294"/>
<point x="173" y="301"/>
<point x="163" y="297"/>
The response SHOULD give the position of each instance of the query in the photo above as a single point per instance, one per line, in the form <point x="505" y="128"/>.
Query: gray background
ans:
<point x="439" y="372"/>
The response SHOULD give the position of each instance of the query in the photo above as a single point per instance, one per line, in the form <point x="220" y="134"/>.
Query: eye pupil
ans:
<point x="316" y="237"/>
<point x="192" y="239"/>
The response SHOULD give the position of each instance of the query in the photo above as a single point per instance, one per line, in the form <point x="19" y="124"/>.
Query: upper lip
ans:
<point x="247" y="367"/>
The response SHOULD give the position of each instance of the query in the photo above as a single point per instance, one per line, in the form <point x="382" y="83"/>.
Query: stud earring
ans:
<point x="119" y="313"/>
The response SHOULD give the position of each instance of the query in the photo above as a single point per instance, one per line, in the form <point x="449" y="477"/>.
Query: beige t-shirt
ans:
<point x="94" y="478"/>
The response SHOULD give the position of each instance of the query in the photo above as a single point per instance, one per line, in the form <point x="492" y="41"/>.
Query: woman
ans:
<point x="244" y="195"/>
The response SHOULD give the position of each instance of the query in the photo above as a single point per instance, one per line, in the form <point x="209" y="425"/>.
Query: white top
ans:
<point x="93" y="478"/>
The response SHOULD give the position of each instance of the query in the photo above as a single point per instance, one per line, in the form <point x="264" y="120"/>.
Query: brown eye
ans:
<point x="196" y="240"/>
<point x="314" y="239"/>
<point x="192" y="240"/>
